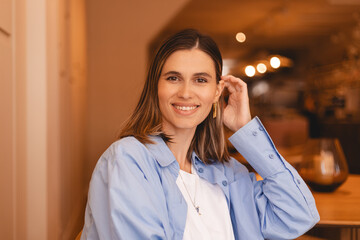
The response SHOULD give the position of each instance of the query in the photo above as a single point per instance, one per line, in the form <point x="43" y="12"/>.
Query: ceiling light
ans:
<point x="240" y="37"/>
<point x="275" y="62"/>
<point x="250" y="71"/>
<point x="261" y="68"/>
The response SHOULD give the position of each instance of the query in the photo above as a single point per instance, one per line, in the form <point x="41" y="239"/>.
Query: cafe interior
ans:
<point x="300" y="60"/>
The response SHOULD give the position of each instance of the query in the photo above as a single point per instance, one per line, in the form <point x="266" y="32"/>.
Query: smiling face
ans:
<point x="187" y="88"/>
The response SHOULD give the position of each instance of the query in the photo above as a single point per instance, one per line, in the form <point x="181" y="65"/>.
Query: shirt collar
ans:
<point x="160" y="151"/>
<point x="195" y="159"/>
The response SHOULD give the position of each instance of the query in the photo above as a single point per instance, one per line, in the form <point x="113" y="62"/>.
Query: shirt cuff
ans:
<point x="254" y="143"/>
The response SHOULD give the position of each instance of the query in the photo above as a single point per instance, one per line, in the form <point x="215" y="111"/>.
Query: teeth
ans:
<point x="185" y="108"/>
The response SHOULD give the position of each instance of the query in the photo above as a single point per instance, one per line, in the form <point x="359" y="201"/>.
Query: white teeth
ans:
<point x="185" y="108"/>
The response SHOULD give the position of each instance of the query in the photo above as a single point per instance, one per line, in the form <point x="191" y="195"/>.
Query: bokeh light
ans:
<point x="250" y="71"/>
<point x="261" y="68"/>
<point x="275" y="62"/>
<point x="240" y="37"/>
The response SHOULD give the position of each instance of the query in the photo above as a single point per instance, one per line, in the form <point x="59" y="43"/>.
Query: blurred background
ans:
<point x="71" y="72"/>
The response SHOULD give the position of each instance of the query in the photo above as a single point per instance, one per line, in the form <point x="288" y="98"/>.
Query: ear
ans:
<point x="219" y="90"/>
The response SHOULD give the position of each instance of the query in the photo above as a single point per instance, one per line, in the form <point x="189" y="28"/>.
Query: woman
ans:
<point x="170" y="175"/>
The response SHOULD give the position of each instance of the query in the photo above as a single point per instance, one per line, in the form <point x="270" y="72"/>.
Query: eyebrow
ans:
<point x="172" y="73"/>
<point x="204" y="74"/>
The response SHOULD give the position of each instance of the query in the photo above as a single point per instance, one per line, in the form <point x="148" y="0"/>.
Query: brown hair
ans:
<point x="209" y="139"/>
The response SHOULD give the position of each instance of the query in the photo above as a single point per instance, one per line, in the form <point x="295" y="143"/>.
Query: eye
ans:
<point x="172" y="78"/>
<point x="201" y="80"/>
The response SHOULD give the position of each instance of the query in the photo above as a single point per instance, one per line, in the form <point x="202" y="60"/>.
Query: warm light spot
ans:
<point x="240" y="37"/>
<point x="250" y="71"/>
<point x="260" y="88"/>
<point x="261" y="68"/>
<point x="275" y="62"/>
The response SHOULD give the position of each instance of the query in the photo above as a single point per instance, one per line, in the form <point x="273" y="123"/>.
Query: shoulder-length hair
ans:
<point x="209" y="139"/>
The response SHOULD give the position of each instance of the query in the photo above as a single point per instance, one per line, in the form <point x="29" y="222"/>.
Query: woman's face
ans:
<point x="187" y="89"/>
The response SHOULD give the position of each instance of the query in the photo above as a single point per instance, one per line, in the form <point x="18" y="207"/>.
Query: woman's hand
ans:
<point x="237" y="112"/>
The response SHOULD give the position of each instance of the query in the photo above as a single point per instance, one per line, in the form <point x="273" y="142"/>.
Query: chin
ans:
<point x="186" y="126"/>
<point x="182" y="124"/>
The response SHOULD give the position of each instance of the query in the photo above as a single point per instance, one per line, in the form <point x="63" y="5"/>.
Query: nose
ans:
<point x="185" y="90"/>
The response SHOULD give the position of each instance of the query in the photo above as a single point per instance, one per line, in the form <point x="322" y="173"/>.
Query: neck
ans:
<point x="179" y="146"/>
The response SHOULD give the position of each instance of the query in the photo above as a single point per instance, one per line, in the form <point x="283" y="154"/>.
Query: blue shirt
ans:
<point x="133" y="192"/>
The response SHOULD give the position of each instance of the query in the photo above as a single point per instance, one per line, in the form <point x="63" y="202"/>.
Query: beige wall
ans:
<point x="72" y="87"/>
<point x="7" y="124"/>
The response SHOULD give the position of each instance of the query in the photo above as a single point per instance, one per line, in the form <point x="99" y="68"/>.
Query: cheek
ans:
<point x="209" y="96"/>
<point x="164" y="95"/>
<point x="162" y="101"/>
<point x="161" y="93"/>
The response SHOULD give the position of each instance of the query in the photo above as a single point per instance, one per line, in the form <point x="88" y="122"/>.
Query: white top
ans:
<point x="214" y="221"/>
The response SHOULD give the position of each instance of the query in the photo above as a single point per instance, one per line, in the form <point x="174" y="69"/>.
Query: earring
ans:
<point x="214" y="109"/>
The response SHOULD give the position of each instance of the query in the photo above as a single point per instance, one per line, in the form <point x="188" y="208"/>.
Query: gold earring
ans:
<point x="214" y="109"/>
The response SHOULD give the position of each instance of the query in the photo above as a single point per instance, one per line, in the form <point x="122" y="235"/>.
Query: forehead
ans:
<point x="193" y="60"/>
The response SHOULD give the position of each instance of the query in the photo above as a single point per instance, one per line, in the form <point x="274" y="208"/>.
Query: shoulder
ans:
<point x="235" y="170"/>
<point x="127" y="155"/>
<point x="125" y="146"/>
<point x="126" y="143"/>
<point x="126" y="151"/>
<point x="235" y="166"/>
<point x="231" y="165"/>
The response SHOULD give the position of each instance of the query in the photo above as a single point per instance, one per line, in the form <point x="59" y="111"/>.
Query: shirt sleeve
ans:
<point x="285" y="205"/>
<point x="123" y="202"/>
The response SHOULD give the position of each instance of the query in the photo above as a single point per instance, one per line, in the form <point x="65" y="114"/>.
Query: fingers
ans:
<point x="230" y="87"/>
<point x="234" y="84"/>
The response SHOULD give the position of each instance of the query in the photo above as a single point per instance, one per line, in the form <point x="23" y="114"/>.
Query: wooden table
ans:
<point x="341" y="208"/>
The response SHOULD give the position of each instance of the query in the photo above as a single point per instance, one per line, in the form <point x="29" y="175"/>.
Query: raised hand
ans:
<point x="237" y="112"/>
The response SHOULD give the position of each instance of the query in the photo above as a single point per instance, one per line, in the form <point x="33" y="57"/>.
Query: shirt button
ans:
<point x="224" y="183"/>
<point x="261" y="129"/>
<point x="201" y="170"/>
<point x="298" y="181"/>
<point x="196" y="163"/>
<point x="254" y="133"/>
<point x="271" y="156"/>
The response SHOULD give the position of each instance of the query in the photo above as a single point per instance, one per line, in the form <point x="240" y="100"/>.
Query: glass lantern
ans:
<point x="323" y="167"/>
